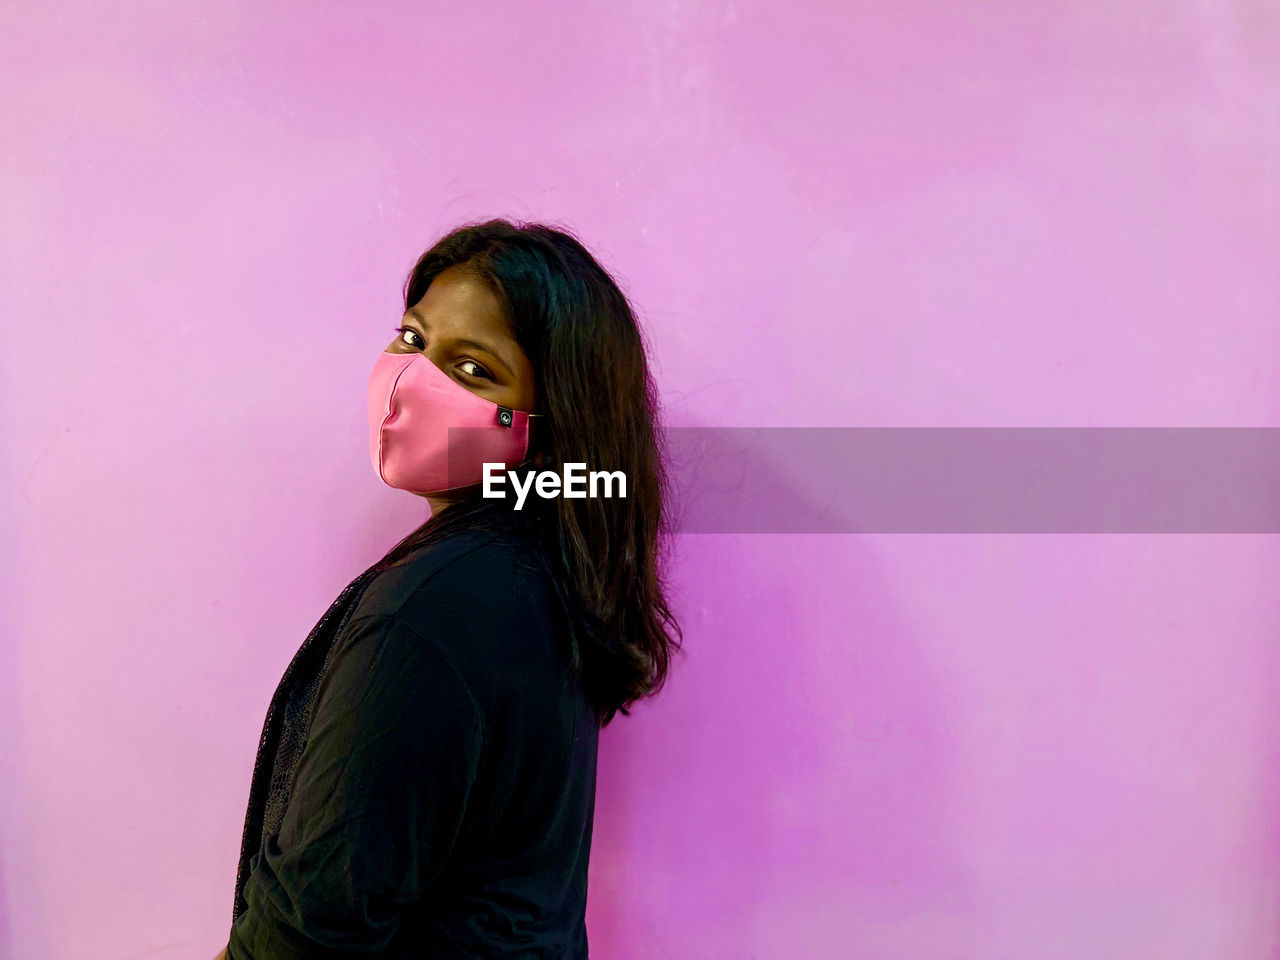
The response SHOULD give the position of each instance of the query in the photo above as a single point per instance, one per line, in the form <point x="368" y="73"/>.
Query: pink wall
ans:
<point x="964" y="214"/>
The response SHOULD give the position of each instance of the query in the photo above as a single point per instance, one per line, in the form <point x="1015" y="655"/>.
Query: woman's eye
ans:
<point x="473" y="369"/>
<point x="406" y="332"/>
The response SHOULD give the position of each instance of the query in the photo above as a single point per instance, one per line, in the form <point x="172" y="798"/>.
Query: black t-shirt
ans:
<point x="442" y="803"/>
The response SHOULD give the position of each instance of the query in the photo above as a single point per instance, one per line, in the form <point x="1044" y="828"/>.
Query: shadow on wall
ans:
<point x="797" y="762"/>
<point x="10" y="672"/>
<point x="6" y="940"/>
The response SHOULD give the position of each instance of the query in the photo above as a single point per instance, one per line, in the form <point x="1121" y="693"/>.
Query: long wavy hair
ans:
<point x="606" y="556"/>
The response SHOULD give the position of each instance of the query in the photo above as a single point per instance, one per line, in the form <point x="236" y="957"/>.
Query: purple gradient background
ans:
<point x="856" y="214"/>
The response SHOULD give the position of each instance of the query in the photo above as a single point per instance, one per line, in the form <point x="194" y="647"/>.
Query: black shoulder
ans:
<point x="486" y="576"/>
<point x="492" y="610"/>
<point x="490" y="581"/>
<point x="389" y="590"/>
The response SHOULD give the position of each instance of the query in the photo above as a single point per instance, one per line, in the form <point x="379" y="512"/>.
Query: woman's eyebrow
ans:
<point x="483" y="349"/>
<point x="473" y="344"/>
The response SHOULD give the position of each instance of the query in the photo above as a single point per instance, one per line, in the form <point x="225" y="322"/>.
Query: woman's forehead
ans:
<point x="459" y="301"/>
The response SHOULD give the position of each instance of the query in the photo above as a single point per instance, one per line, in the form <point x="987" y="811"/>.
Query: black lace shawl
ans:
<point x="284" y="732"/>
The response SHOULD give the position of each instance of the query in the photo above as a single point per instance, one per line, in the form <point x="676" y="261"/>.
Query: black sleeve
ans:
<point x="381" y="791"/>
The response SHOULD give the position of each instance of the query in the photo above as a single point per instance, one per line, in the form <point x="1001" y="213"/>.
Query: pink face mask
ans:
<point x="412" y="405"/>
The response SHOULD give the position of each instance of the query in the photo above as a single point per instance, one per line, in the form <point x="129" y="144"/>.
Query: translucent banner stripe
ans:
<point x="975" y="480"/>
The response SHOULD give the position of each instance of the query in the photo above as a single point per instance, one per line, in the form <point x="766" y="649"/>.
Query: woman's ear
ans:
<point x="542" y="459"/>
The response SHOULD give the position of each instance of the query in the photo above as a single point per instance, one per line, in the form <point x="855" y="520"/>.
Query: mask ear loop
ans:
<point x="505" y="418"/>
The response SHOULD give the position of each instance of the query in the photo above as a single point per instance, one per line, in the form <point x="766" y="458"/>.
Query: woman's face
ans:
<point x="458" y="325"/>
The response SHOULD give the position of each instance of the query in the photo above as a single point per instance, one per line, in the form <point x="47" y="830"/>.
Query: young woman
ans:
<point x="425" y="782"/>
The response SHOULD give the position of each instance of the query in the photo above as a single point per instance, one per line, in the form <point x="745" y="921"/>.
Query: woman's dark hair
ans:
<point x="606" y="556"/>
